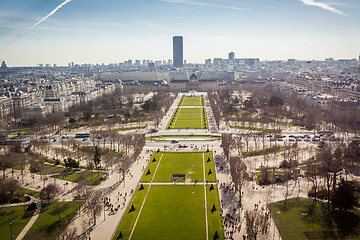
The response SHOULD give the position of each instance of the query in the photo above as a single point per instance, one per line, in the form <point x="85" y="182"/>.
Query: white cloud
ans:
<point x="205" y="4"/>
<point x="324" y="6"/>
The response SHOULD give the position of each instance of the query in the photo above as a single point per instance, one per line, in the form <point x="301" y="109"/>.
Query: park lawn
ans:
<point x="151" y="166"/>
<point x="209" y="166"/>
<point x="93" y="178"/>
<point x="192" y="101"/>
<point x="172" y="212"/>
<point x="19" y="217"/>
<point x="48" y="224"/>
<point x="188" y="163"/>
<point x="51" y="169"/>
<point x="125" y="129"/>
<point x="20" y="132"/>
<point x="296" y="219"/>
<point x="214" y="218"/>
<point x="192" y="118"/>
<point x="33" y="193"/>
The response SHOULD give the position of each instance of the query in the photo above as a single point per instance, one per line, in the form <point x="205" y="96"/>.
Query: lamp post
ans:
<point x="11" y="236"/>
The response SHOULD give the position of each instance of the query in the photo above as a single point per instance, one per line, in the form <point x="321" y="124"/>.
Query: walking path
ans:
<point x="31" y="222"/>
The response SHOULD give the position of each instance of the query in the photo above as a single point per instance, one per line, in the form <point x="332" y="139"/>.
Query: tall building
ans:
<point x="178" y="58"/>
<point x="231" y="56"/>
<point x="3" y="64"/>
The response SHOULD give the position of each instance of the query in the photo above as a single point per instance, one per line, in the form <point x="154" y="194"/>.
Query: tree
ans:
<point x="330" y="165"/>
<point x="343" y="196"/>
<point x="51" y="191"/>
<point x="227" y="142"/>
<point x="9" y="189"/>
<point x="256" y="221"/>
<point x="94" y="204"/>
<point x="312" y="174"/>
<point x="71" y="163"/>
<point x="275" y="101"/>
<point x="238" y="174"/>
<point x="5" y="163"/>
<point x="97" y="157"/>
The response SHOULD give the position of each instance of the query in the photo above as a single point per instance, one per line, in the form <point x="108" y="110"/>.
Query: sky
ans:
<point x="111" y="31"/>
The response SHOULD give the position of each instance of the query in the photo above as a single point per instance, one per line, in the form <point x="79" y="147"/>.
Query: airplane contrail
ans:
<point x="49" y="15"/>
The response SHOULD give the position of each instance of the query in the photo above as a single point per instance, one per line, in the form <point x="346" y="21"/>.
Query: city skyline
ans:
<point x="59" y="32"/>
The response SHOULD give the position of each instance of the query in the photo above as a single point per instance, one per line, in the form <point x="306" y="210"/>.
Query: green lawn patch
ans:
<point x="47" y="226"/>
<point x="125" y="129"/>
<point x="266" y="151"/>
<point x="170" y="212"/>
<point x="19" y="217"/>
<point x="20" y="132"/>
<point x="35" y="194"/>
<point x="188" y="163"/>
<point x="189" y="118"/>
<point x="51" y="169"/>
<point x="93" y="178"/>
<point x="192" y="101"/>
<point x="299" y="221"/>
<point x="214" y="217"/>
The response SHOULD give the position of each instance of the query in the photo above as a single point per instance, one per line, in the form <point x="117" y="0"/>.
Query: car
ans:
<point x="174" y="141"/>
<point x="47" y="141"/>
<point x="84" y="139"/>
<point x="307" y="139"/>
<point x="291" y="140"/>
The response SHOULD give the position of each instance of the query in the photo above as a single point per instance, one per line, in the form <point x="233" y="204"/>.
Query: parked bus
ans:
<point x="82" y="135"/>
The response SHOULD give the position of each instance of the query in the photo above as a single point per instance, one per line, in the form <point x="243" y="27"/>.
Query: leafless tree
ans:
<point x="256" y="222"/>
<point x="227" y="142"/>
<point x="94" y="204"/>
<point x="238" y="174"/>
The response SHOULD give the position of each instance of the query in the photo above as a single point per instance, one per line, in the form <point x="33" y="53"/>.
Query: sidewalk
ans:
<point x="31" y="222"/>
<point x="107" y="225"/>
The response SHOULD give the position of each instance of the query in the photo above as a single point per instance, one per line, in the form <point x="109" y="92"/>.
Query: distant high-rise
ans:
<point x="178" y="58"/>
<point x="231" y="56"/>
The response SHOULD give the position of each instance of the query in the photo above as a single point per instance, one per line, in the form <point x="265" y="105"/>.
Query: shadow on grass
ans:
<point x="347" y="222"/>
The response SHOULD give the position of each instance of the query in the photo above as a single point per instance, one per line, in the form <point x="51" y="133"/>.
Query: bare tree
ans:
<point x="94" y="204"/>
<point x="256" y="222"/>
<point x="227" y="142"/>
<point x="238" y="174"/>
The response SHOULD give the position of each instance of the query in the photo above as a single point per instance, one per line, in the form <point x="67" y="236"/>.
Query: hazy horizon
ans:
<point x="93" y="31"/>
